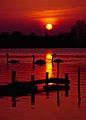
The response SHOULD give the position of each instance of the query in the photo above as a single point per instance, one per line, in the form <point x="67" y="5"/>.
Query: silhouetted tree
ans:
<point x="5" y="34"/>
<point x="78" y="31"/>
<point x="17" y="34"/>
<point x="32" y="35"/>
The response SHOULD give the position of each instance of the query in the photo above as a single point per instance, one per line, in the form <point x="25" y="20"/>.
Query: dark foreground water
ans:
<point x="55" y="106"/>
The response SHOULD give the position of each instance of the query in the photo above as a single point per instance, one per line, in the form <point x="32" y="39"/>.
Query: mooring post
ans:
<point x="66" y="84"/>
<point x="46" y="85"/>
<point x="46" y="78"/>
<point x="66" y="78"/>
<point x="79" y="96"/>
<point x="47" y="91"/>
<point x="7" y="59"/>
<point x="78" y="76"/>
<point x="58" y="70"/>
<point x="32" y="79"/>
<point x="13" y="77"/>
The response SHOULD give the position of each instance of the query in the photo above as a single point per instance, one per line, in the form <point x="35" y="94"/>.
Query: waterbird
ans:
<point x="13" y="61"/>
<point x="58" y="61"/>
<point x="40" y="62"/>
<point x="53" y="55"/>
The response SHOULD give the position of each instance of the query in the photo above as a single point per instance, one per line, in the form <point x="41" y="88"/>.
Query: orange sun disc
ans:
<point x="49" y="26"/>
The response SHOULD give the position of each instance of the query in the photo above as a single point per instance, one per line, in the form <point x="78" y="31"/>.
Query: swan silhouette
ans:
<point x="58" y="61"/>
<point x="11" y="61"/>
<point x="53" y="55"/>
<point x="40" y="62"/>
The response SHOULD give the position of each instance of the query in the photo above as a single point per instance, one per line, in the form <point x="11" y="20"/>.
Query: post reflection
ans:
<point x="13" y="101"/>
<point x="58" y="98"/>
<point x="32" y="99"/>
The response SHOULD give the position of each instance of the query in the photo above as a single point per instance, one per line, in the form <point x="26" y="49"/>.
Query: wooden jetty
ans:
<point x="29" y="87"/>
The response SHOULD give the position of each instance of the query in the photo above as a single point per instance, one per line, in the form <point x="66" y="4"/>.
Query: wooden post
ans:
<point x="78" y="76"/>
<point x="46" y="75"/>
<point x="13" y="77"/>
<point x="58" y="70"/>
<point x="79" y="96"/>
<point x="47" y="90"/>
<point x="33" y="61"/>
<point x="66" y="79"/>
<point x="46" y="78"/>
<point x="66" y="84"/>
<point x="66" y="76"/>
<point x="7" y="59"/>
<point x="32" y="79"/>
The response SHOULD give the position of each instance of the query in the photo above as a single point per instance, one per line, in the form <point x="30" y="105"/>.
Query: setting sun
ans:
<point x="49" y="26"/>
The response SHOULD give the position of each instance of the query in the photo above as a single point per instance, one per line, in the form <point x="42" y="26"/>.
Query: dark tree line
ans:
<point x="75" y="38"/>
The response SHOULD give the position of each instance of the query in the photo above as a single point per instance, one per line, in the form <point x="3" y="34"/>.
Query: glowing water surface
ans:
<point x="55" y="106"/>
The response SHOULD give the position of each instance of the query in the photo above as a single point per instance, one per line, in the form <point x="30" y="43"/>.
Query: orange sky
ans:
<point x="32" y="16"/>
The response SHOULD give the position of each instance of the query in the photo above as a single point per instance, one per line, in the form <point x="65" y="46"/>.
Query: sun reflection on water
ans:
<point x="49" y="64"/>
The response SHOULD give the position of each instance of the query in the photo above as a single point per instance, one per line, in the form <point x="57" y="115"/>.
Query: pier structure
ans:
<point x="17" y="87"/>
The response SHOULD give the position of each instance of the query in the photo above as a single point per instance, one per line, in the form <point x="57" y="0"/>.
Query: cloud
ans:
<point x="60" y="13"/>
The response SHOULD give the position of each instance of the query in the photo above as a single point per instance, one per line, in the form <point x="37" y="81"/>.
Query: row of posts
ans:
<point x="32" y="78"/>
<point x="66" y="92"/>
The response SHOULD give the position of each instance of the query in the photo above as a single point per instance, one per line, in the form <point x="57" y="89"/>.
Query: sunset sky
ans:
<point x="32" y="15"/>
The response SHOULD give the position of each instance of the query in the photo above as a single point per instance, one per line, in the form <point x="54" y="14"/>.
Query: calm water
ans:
<point x="56" y="106"/>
